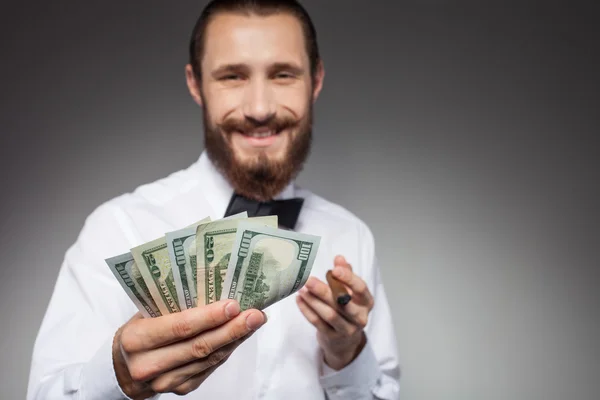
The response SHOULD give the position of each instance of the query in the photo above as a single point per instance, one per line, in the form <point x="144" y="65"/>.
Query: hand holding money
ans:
<point x="340" y="329"/>
<point x="199" y="291"/>
<point x="175" y="353"/>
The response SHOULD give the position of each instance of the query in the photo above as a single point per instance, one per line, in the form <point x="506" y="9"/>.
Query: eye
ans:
<point x="229" y="77"/>
<point x="284" y="75"/>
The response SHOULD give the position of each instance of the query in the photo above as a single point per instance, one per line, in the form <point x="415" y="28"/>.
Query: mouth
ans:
<point x="261" y="137"/>
<point x="261" y="133"/>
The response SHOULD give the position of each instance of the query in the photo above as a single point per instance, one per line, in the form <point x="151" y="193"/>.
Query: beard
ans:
<point x="261" y="178"/>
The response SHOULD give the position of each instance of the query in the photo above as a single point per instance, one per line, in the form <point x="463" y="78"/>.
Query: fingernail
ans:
<point x="254" y="321"/>
<point x="266" y="318"/>
<point x="232" y="309"/>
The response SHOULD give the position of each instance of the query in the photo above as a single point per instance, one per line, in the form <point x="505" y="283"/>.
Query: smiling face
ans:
<point x="257" y="93"/>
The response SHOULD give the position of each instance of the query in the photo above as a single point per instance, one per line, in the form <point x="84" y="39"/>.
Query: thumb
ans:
<point x="340" y="261"/>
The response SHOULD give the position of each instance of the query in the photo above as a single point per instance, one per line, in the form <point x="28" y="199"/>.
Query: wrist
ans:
<point x="129" y="387"/>
<point x="339" y="360"/>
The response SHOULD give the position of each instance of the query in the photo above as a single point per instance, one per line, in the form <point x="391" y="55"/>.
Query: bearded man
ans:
<point x="256" y="72"/>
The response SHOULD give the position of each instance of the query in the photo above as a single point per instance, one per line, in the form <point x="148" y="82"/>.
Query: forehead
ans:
<point x="254" y="40"/>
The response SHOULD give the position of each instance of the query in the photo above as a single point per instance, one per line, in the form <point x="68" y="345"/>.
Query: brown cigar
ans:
<point x="340" y="294"/>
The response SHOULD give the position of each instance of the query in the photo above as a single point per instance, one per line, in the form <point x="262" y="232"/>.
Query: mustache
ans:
<point x="276" y="124"/>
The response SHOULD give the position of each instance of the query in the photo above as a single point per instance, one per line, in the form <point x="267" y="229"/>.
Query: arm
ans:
<point x="375" y="372"/>
<point x="357" y="340"/>
<point x="89" y="348"/>
<point x="72" y="353"/>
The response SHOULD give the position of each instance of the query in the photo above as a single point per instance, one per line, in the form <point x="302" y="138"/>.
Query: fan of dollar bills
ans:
<point x="241" y="258"/>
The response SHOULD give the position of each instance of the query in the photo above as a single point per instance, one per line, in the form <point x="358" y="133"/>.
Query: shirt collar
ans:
<point x="218" y="191"/>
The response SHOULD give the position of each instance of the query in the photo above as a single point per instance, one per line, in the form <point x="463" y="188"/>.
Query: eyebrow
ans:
<point x="286" y="66"/>
<point x="243" y="68"/>
<point x="229" y="68"/>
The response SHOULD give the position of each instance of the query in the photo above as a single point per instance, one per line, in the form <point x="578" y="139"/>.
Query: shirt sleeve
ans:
<point x="375" y="372"/>
<point x="72" y="356"/>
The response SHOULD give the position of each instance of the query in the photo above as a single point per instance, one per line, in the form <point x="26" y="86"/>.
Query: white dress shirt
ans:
<point x="72" y="357"/>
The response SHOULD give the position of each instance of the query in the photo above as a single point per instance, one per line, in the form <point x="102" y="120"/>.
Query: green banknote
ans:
<point x="181" y="245"/>
<point x="182" y="252"/>
<point x="127" y="273"/>
<point x="214" y="242"/>
<point x="267" y="265"/>
<point x="154" y="263"/>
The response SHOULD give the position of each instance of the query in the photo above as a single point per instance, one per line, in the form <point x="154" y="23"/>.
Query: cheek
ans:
<point x="219" y="104"/>
<point x="294" y="99"/>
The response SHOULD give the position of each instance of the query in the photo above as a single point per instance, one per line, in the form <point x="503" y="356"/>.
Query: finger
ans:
<point x="195" y="381"/>
<point x="328" y="314"/>
<point x="148" y="365"/>
<point x="340" y="260"/>
<point x="353" y="312"/>
<point x="150" y="333"/>
<point x="136" y="316"/>
<point x="168" y="381"/>
<point x="360" y="292"/>
<point x="312" y="317"/>
<point x="321" y="290"/>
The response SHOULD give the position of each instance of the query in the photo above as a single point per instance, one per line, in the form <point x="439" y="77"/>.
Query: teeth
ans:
<point x="261" y="134"/>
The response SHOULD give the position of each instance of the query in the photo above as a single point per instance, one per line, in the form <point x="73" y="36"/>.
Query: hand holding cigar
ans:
<point x="339" y="309"/>
<point x="339" y="291"/>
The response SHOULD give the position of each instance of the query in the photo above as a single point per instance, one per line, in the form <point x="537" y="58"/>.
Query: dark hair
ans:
<point x="250" y="7"/>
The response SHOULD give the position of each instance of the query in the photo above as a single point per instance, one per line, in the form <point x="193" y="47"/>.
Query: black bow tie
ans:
<point x="286" y="210"/>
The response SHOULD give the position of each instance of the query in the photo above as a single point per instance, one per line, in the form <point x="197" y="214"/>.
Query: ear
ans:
<point x="318" y="80"/>
<point x="193" y="84"/>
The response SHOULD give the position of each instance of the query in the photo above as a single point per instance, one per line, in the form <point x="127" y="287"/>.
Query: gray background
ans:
<point x="463" y="133"/>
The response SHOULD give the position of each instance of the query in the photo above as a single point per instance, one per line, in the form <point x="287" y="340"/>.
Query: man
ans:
<point x="255" y="71"/>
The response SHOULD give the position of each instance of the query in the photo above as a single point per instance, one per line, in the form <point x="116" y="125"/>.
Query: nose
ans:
<point x="259" y="105"/>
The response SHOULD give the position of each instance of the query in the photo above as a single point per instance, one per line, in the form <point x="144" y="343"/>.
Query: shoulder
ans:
<point x="117" y="219"/>
<point x="156" y="193"/>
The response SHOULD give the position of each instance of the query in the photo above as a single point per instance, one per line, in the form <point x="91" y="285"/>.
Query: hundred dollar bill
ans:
<point x="153" y="261"/>
<point x="181" y="245"/>
<point x="127" y="273"/>
<point x="267" y="265"/>
<point x="214" y="242"/>
<point x="182" y="252"/>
